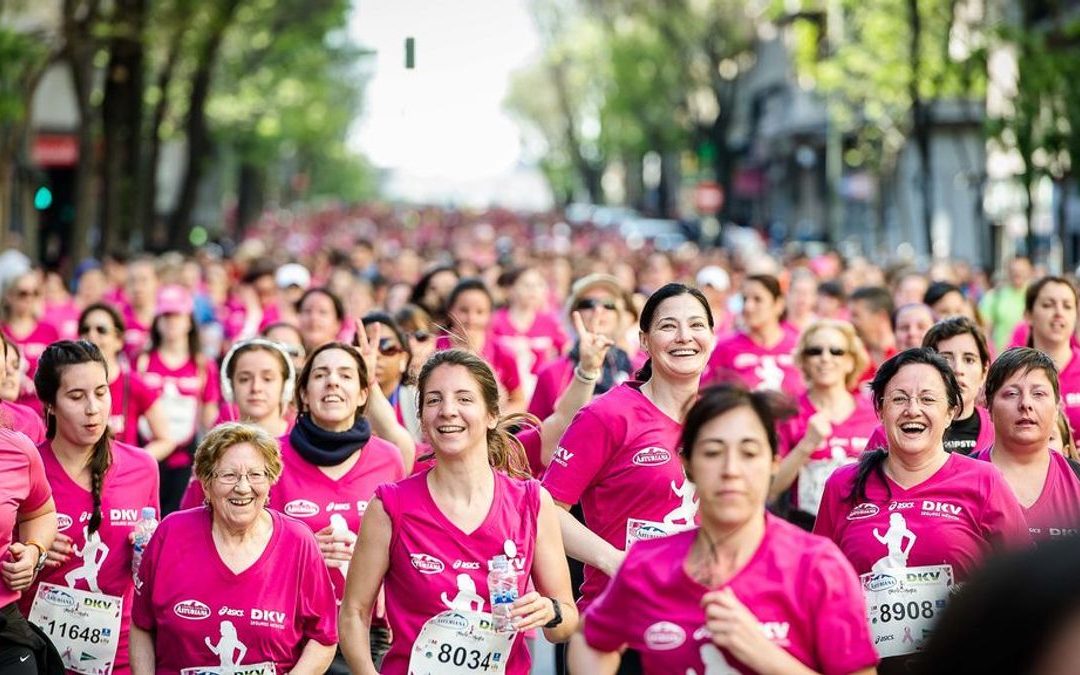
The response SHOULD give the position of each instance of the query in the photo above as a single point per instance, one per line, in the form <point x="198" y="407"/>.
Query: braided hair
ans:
<point x="54" y="360"/>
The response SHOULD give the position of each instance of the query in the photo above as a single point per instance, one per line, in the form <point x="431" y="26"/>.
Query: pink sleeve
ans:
<point x="828" y="510"/>
<point x="39" y="492"/>
<point x="318" y="605"/>
<point x="532" y="441"/>
<point x="193" y="495"/>
<point x="1002" y="519"/>
<point x="582" y="453"/>
<point x="542" y="403"/>
<point x="508" y="370"/>
<point x="608" y="620"/>
<point x="877" y="439"/>
<point x="142" y="608"/>
<point x="212" y="388"/>
<point x="141" y="395"/>
<point x="841" y="634"/>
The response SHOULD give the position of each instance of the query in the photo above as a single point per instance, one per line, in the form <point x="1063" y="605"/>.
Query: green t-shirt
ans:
<point x="1003" y="307"/>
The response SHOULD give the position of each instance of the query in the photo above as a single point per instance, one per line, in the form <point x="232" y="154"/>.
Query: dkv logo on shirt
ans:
<point x="562" y="456"/>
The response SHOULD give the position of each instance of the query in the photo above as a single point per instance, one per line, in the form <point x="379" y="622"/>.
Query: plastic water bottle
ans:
<point x="503" y="589"/>
<point x="144" y="529"/>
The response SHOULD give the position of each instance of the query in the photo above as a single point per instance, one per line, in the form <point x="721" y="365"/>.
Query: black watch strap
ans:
<point x="558" y="614"/>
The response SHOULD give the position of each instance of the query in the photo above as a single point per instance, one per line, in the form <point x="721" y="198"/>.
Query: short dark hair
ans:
<point x="648" y="313"/>
<point x="877" y="298"/>
<point x="1035" y="288"/>
<point x="832" y="289"/>
<point x="339" y="307"/>
<point x="938" y="290"/>
<point x="1020" y="359"/>
<point x="955" y="326"/>
<point x="720" y="399"/>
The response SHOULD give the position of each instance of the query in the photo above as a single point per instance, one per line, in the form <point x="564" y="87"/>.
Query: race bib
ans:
<point x="265" y="668"/>
<point x="84" y="626"/>
<point x="639" y="530"/>
<point x="812" y="477"/>
<point x="457" y="643"/>
<point x="902" y="605"/>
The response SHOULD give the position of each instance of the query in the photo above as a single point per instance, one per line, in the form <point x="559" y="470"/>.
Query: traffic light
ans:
<point x="43" y="197"/>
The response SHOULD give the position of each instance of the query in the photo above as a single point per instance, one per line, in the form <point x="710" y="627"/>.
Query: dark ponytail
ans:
<point x="872" y="461"/>
<point x="57" y="357"/>
<point x="648" y="314"/>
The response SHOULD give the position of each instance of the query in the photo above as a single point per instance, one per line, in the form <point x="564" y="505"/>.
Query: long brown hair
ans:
<point x="505" y="451"/>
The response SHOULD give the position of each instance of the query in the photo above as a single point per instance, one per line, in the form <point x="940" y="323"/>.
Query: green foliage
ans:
<point x="20" y="55"/>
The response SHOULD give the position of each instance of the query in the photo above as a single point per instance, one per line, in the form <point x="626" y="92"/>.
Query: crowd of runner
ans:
<point x="356" y="424"/>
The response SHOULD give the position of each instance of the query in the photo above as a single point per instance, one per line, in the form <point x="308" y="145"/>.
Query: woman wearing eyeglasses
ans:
<point x="832" y="425"/>
<point x="233" y="587"/>
<point x="912" y="519"/>
<point x="132" y="398"/>
<point x="22" y="307"/>
<point x="420" y="331"/>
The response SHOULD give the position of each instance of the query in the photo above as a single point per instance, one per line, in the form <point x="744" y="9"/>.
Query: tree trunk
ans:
<point x="588" y="173"/>
<point x="121" y="113"/>
<point x="250" y="196"/>
<point x="920" y="117"/>
<point x="80" y="45"/>
<point x="198" y="136"/>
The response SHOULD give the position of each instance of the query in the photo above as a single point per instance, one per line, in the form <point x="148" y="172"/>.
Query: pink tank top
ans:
<point x="435" y="567"/>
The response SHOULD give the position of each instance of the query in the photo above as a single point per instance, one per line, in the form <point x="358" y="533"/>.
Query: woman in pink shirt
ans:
<point x="1050" y="308"/>
<point x="743" y="593"/>
<point x="186" y="383"/>
<point x="22" y="308"/>
<point x="233" y="585"/>
<point x="12" y="415"/>
<point x="100" y="487"/>
<point x="832" y="424"/>
<point x="526" y="326"/>
<point x="429" y="540"/>
<point x="469" y="307"/>
<point x="1023" y="395"/>
<point x="761" y="357"/>
<point x="27" y="528"/>
<point x="913" y="519"/>
<point x="132" y="397"/>
<point x="321" y="316"/>
<point x="618" y="457"/>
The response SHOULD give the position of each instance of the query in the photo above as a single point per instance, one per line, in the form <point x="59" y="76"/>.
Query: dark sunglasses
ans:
<point x="818" y="351"/>
<point x="421" y="336"/>
<point x="593" y="303"/>
<point x="388" y="348"/>
<point x="99" y="329"/>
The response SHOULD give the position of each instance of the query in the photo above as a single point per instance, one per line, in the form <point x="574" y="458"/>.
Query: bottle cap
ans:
<point x="148" y="513"/>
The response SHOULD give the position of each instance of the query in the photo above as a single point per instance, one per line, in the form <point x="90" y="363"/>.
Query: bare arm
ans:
<point x="549" y="571"/>
<point x="817" y="430"/>
<point x="585" y="545"/>
<point x="314" y="659"/>
<point x="37" y="526"/>
<point x="584" y="659"/>
<point x="160" y="445"/>
<point x="385" y="425"/>
<point x="371" y="560"/>
<point x="142" y="651"/>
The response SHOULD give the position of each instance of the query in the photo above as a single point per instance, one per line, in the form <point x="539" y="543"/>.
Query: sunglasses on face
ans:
<point x="594" y="303"/>
<point x="99" y="329"/>
<point x="420" y="336"/>
<point x="818" y="351"/>
<point x="388" y="348"/>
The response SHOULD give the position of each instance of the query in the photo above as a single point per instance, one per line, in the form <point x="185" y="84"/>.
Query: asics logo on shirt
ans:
<point x="466" y="565"/>
<point x="562" y="456"/>
<point x="336" y="506"/>
<point x="228" y="611"/>
<point x="900" y="506"/>
<point x="651" y="456"/>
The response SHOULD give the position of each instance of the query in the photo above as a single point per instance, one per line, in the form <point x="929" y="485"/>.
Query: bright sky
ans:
<point x="442" y="123"/>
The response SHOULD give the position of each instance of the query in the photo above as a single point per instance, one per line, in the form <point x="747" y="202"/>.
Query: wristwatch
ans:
<point x="42" y="557"/>
<point x="558" y="614"/>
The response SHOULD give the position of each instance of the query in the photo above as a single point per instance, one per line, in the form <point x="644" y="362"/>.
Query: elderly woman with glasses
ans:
<point x="261" y="602"/>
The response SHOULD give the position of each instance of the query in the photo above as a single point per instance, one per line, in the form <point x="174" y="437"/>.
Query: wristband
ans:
<point x="582" y="377"/>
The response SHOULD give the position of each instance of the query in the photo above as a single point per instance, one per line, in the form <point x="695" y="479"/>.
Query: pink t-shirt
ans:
<point x="544" y="340"/>
<point x="130" y="484"/>
<point x="984" y="441"/>
<point x="1056" y="513"/>
<point x="22" y="418"/>
<point x="500" y="359"/>
<point x="741" y="359"/>
<point x="64" y="318"/>
<point x="799" y="587"/>
<point x="136" y="334"/>
<point x="184" y="391"/>
<point x="23" y="489"/>
<point x="619" y="458"/>
<point x="847" y="442"/>
<point x="551" y="381"/>
<point x="434" y="565"/>
<point x="309" y="495"/>
<point x="267" y="612"/>
<point x="31" y="346"/>
<point x="131" y="398"/>
<point x="1069" y="380"/>
<point x="955" y="517"/>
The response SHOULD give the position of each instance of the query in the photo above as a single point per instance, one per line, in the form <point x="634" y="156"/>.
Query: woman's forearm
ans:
<point x="314" y="659"/>
<point x="585" y="545"/>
